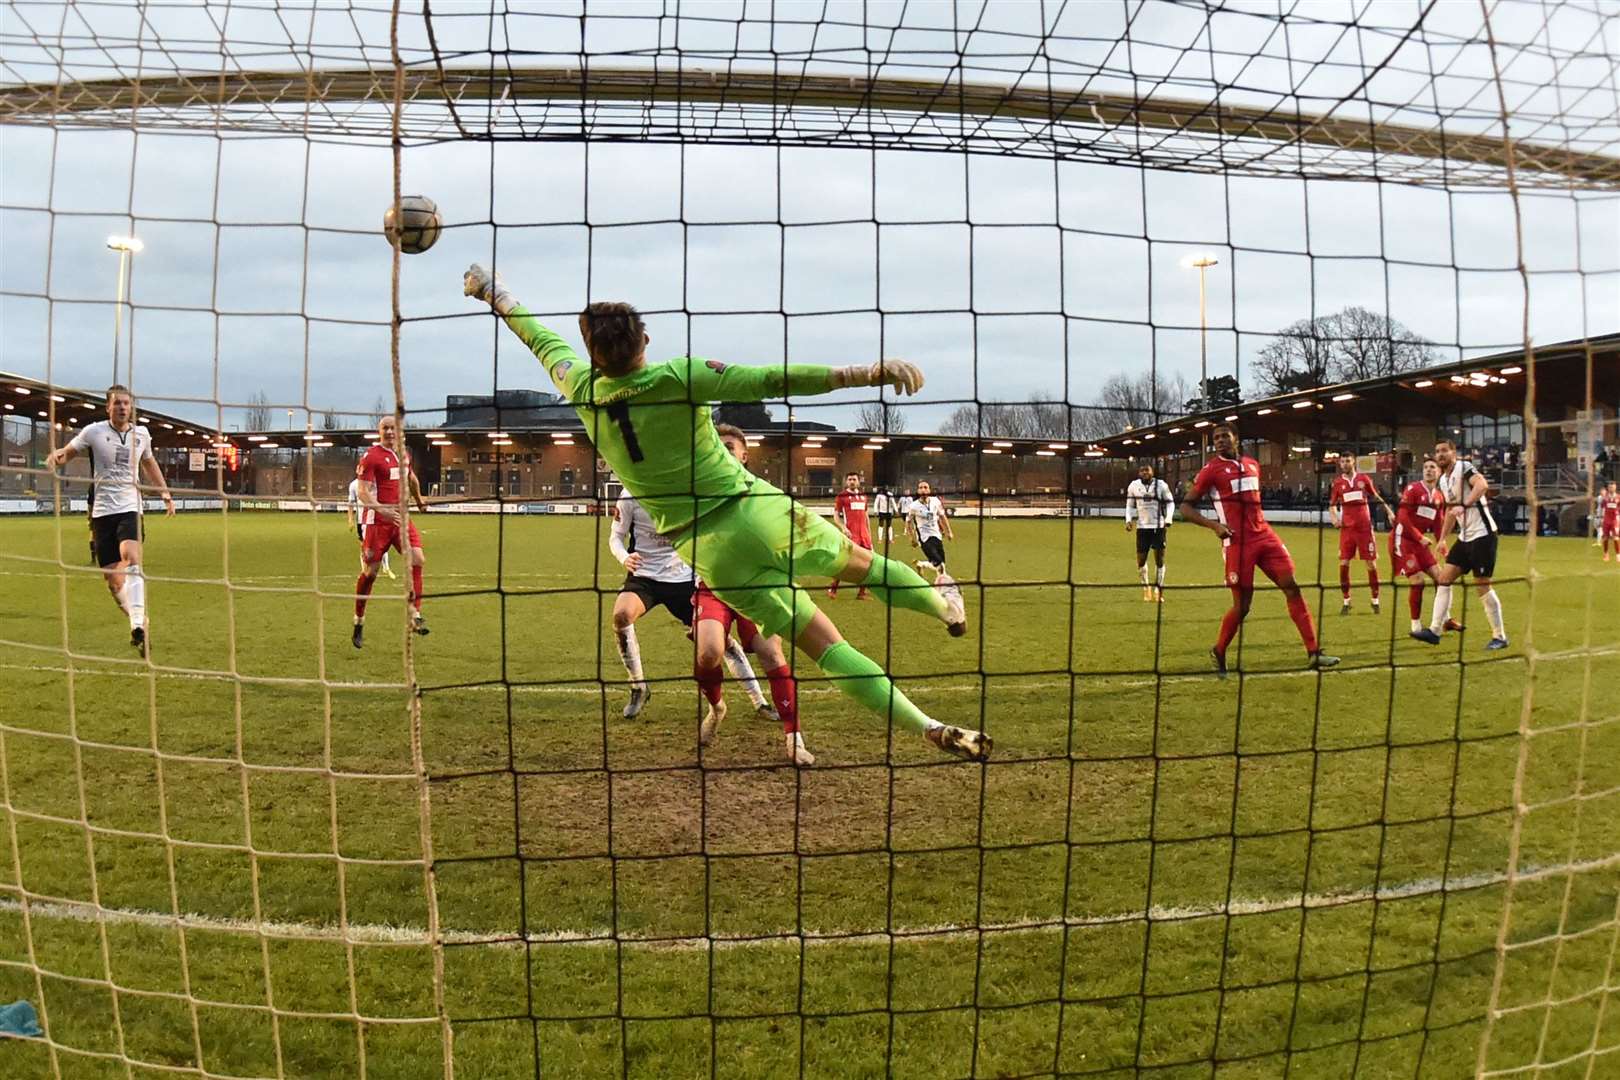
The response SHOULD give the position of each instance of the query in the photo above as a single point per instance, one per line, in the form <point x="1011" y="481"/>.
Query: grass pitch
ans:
<point x="1160" y="871"/>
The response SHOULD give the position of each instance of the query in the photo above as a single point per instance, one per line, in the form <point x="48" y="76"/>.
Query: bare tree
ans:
<point x="1140" y="400"/>
<point x="379" y="409"/>
<point x="881" y="417"/>
<point x="256" y="417"/>
<point x="1041" y="417"/>
<point x="1346" y="346"/>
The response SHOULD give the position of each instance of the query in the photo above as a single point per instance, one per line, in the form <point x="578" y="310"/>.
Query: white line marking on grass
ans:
<point x="382" y="934"/>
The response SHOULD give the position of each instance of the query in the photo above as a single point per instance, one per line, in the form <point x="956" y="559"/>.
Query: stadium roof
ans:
<point x="32" y="399"/>
<point x="1488" y="385"/>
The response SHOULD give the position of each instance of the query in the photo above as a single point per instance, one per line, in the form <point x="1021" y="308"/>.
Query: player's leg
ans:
<point x="784" y="688"/>
<point x="709" y="638"/>
<point x="1159" y="542"/>
<point x="898" y="585"/>
<point x="864" y="542"/>
<point x="1484" y="568"/>
<point x="627" y="608"/>
<point x="106" y="549"/>
<point x="418" y="562"/>
<point x="129" y="557"/>
<point x="1242" y="599"/>
<point x="1440" y="617"/>
<point x="1347" y="551"/>
<point x="378" y="536"/>
<point x="1142" y="547"/>
<point x="1278" y="565"/>
<point x="1369" y="556"/>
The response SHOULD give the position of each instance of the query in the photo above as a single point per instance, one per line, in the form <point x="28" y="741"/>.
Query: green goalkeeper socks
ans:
<point x="859" y="677"/>
<point x="898" y="585"/>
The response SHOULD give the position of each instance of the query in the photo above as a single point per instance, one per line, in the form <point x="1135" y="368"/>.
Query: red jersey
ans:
<point x="1354" y="495"/>
<point x="379" y="466"/>
<point x="1611" y="507"/>
<point x="1235" y="484"/>
<point x="1419" y="510"/>
<point x="851" y="507"/>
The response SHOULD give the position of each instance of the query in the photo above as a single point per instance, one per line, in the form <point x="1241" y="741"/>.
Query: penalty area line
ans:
<point x="383" y="934"/>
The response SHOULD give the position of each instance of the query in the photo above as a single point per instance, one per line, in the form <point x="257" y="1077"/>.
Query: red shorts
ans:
<point x="706" y="605"/>
<point x="1356" y="542"/>
<point x="862" y="537"/>
<point x="1409" y="556"/>
<point x="1263" y="551"/>
<point x="382" y="535"/>
<point x="1610" y="528"/>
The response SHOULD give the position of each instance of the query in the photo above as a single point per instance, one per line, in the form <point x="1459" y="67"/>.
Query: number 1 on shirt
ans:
<point x="619" y="411"/>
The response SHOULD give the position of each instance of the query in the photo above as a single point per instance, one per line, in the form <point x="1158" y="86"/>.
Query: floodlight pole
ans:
<point x="125" y="246"/>
<point x="1202" y="262"/>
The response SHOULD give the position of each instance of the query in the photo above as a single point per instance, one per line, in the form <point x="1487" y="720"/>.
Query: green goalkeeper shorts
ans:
<point x="750" y="549"/>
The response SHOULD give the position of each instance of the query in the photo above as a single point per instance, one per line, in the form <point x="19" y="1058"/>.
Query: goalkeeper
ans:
<point x="745" y="538"/>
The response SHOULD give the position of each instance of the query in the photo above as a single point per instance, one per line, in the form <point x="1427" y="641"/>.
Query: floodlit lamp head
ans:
<point x="131" y="244"/>
<point x="1199" y="260"/>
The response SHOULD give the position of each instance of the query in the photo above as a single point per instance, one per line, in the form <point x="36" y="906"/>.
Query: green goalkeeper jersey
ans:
<point x="652" y="426"/>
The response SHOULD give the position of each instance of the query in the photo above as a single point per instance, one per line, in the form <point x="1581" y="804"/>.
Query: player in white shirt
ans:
<point x="925" y="521"/>
<point x="1474" y="553"/>
<point x="655" y="576"/>
<point x="359" y="517"/>
<point x="883" y="507"/>
<point x="902" y="505"/>
<point x="1149" y="509"/>
<point x="120" y="455"/>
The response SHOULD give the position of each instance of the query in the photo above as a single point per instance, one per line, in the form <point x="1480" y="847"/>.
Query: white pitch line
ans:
<point x="382" y="934"/>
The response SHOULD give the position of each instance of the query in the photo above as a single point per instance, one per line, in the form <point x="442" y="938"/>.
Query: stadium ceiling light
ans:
<point x="321" y="442"/>
<point x="1097" y="453"/>
<point x="1514" y="370"/>
<point x="870" y="446"/>
<point x="1174" y="431"/>
<point x="1201" y="423"/>
<point x="269" y="446"/>
<point x="22" y="389"/>
<point x="187" y="431"/>
<point x="1422" y="383"/>
<point x="42" y="412"/>
<point x="933" y="449"/>
<point x="9" y="405"/>
<point x="1302" y="404"/>
<point x="986" y="450"/>
<point x="1003" y="444"/>
<point x="1057" y="446"/>
<point x="257" y="438"/>
<point x="1149" y="435"/>
<point x="1265" y="412"/>
<point x="1046" y="453"/>
<point x="1343" y="397"/>
<point x="1230" y="418"/>
<point x="58" y="397"/>
<point x="876" y="439"/>
<point x="168" y="427"/>
<point x="1128" y="442"/>
<point x="1300" y="449"/>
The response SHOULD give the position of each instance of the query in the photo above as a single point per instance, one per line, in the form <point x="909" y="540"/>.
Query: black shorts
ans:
<point x="111" y="530"/>
<point x="885" y="520"/>
<point x="934" y="549"/>
<point x="1149" y="540"/>
<point x="676" y="596"/>
<point x="1477" y="557"/>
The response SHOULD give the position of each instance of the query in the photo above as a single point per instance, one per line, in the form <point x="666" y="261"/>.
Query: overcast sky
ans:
<point x="264" y="269"/>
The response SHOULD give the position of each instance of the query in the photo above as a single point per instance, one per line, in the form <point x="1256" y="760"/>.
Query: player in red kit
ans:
<point x="1609" y="530"/>
<point x="379" y="474"/>
<point x="1421" y="510"/>
<point x="1250" y="544"/>
<point x="712" y="620"/>
<point x="849" y="514"/>
<point x="1350" y="507"/>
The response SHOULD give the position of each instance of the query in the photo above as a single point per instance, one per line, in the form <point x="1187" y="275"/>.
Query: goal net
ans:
<point x="266" y="844"/>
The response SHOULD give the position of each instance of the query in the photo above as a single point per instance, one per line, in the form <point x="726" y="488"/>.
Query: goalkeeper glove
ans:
<point x="489" y="288"/>
<point x="904" y="376"/>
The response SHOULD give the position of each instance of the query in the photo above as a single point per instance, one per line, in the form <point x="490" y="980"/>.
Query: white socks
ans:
<point x="743" y="671"/>
<point x="1493" y="612"/>
<point x="630" y="653"/>
<point x="1141" y="573"/>
<point x="135" y="596"/>
<point x="1161" y="576"/>
<point x="1442" y="608"/>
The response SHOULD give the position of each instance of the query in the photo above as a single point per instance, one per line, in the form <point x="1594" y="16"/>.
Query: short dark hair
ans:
<point x="1445" y="442"/>
<point x="613" y="333"/>
<point x="851" y="473"/>
<point x="733" y="430"/>
<point x="1228" y="428"/>
<point x="119" y="388"/>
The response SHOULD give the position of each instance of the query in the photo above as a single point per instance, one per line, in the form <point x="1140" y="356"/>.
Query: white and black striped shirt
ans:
<point x="1455" y="483"/>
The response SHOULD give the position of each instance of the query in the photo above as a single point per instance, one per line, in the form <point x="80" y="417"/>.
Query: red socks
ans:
<point x="708" y="680"/>
<point x="1300" y="612"/>
<point x="1414" y="600"/>
<point x="362" y="589"/>
<point x="1372" y="580"/>
<point x="416" y="587"/>
<point x="1344" y="581"/>
<point x="1229" y="628"/>
<point x="785" y="696"/>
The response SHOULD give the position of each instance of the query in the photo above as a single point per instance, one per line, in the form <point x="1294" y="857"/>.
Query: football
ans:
<point x="417" y="228"/>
